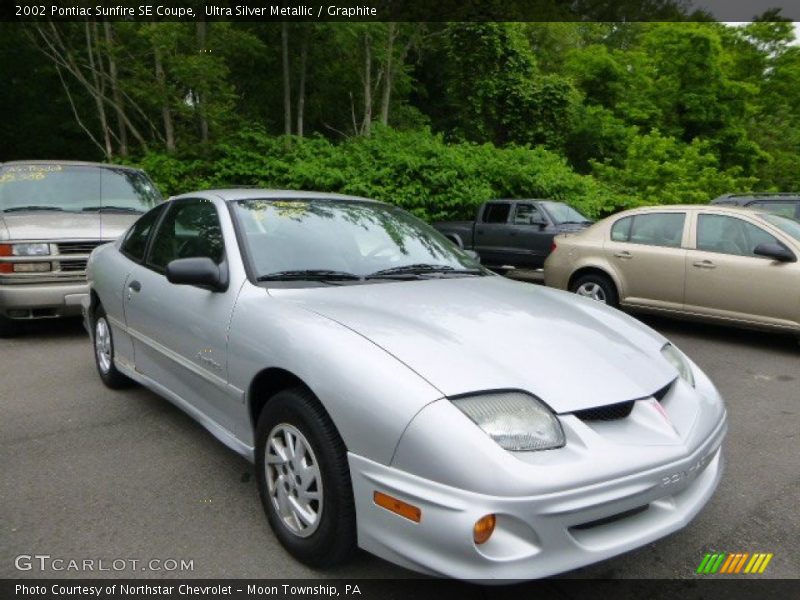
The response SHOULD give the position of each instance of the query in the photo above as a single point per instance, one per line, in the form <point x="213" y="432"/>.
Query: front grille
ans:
<point x="78" y="247"/>
<point x="612" y="518"/>
<point x="610" y="412"/>
<point x="73" y="265"/>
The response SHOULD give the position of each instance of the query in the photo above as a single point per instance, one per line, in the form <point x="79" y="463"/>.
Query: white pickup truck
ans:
<point x="52" y="215"/>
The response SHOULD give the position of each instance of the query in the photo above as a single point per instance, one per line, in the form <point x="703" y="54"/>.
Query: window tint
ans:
<point x="525" y="214"/>
<point x="621" y="230"/>
<point x="729" y="235"/>
<point x="786" y="209"/>
<point x="658" y="229"/>
<point x="135" y="242"/>
<point x="496" y="212"/>
<point x="190" y="229"/>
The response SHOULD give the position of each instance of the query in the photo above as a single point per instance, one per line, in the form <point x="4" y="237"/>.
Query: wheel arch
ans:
<point x="455" y="238"/>
<point x="594" y="270"/>
<point x="266" y="384"/>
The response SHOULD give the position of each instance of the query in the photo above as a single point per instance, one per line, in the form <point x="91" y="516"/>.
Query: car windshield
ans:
<point x="75" y="188"/>
<point x="563" y="213"/>
<point x="786" y="224"/>
<point x="334" y="240"/>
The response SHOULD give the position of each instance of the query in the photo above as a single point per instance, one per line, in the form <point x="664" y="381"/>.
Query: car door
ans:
<point x="180" y="332"/>
<point x="725" y="279"/>
<point x="647" y="252"/>
<point x="492" y="233"/>
<point x="132" y="250"/>
<point x="530" y="236"/>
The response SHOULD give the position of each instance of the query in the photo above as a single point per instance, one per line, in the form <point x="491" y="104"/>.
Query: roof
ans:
<point x="746" y="198"/>
<point x="710" y="208"/>
<point x="229" y="194"/>
<point x="67" y="163"/>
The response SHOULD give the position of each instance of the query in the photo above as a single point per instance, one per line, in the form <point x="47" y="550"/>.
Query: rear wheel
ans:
<point x="304" y="479"/>
<point x="597" y="287"/>
<point x="104" y="352"/>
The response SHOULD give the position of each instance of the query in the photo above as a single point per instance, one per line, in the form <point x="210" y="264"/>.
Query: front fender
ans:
<point x="370" y="396"/>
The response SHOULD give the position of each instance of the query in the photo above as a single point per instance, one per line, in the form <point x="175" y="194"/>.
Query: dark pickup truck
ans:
<point x="514" y="233"/>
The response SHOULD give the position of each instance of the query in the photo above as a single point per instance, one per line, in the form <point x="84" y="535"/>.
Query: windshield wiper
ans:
<point x="584" y="222"/>
<point x="32" y="207"/>
<point x="309" y="275"/>
<point x="422" y="269"/>
<point x="121" y="209"/>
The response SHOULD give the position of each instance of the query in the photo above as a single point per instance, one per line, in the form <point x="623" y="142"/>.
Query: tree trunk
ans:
<point x="91" y="34"/>
<point x="388" y="80"/>
<point x="201" y="43"/>
<point x="366" y="124"/>
<point x="301" y="91"/>
<point x="166" y="113"/>
<point x="287" y="90"/>
<point x="122" y="132"/>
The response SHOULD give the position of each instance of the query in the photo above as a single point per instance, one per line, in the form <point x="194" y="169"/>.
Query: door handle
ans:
<point x="623" y="254"/>
<point x="135" y="286"/>
<point x="705" y="264"/>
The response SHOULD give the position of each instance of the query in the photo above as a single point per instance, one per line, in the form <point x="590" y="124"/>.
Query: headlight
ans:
<point x="514" y="420"/>
<point x="678" y="360"/>
<point x="30" y="249"/>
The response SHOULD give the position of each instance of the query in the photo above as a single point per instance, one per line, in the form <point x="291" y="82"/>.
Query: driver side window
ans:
<point x="526" y="214"/>
<point x="729" y="235"/>
<point x="190" y="229"/>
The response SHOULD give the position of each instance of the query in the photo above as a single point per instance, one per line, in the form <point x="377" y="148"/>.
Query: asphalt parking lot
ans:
<point x="92" y="473"/>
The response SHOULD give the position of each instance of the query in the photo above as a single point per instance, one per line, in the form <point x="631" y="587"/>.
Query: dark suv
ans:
<point x="786" y="204"/>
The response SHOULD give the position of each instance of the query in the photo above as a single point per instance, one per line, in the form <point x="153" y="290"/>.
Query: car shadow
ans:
<point x="49" y="329"/>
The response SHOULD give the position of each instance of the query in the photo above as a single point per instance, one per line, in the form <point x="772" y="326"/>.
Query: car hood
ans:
<point x="467" y="335"/>
<point x="64" y="226"/>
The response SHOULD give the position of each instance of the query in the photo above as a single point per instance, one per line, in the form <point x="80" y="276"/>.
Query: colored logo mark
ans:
<point x="734" y="563"/>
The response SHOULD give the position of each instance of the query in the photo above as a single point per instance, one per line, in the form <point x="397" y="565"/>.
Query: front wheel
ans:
<point x="304" y="479"/>
<point x="104" y="352"/>
<point x="597" y="287"/>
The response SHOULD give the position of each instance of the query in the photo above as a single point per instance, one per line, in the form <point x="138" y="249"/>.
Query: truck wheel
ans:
<point x="8" y="327"/>
<point x="597" y="287"/>
<point x="304" y="479"/>
<point x="103" y="342"/>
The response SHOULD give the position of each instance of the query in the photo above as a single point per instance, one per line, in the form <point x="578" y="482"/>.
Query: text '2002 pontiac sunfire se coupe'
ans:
<point x="395" y="395"/>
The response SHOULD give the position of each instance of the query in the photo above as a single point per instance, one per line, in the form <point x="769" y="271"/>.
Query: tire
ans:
<point x="597" y="287"/>
<point x="8" y="328"/>
<point x="327" y="536"/>
<point x="103" y="346"/>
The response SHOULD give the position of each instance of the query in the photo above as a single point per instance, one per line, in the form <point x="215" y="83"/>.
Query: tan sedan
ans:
<point x="718" y="263"/>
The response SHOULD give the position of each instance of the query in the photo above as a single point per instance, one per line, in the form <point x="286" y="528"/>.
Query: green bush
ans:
<point x="416" y="170"/>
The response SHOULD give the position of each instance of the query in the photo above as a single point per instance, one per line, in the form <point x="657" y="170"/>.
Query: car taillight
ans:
<point x="6" y="250"/>
<point x="553" y="247"/>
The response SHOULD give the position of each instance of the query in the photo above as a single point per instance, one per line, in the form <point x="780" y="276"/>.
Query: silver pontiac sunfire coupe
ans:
<point x="395" y="395"/>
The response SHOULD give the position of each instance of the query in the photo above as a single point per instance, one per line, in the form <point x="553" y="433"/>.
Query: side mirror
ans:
<point x="199" y="271"/>
<point x="777" y="252"/>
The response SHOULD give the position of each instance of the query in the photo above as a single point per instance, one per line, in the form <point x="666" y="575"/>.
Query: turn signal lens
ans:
<point x="6" y="250"/>
<point x="404" y="509"/>
<point x="484" y="528"/>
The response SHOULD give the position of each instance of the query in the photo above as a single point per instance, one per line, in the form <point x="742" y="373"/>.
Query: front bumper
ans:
<point x="42" y="300"/>
<point x="535" y="536"/>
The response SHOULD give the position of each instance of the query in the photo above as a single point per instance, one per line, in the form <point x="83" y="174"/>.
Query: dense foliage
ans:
<point x="434" y="117"/>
